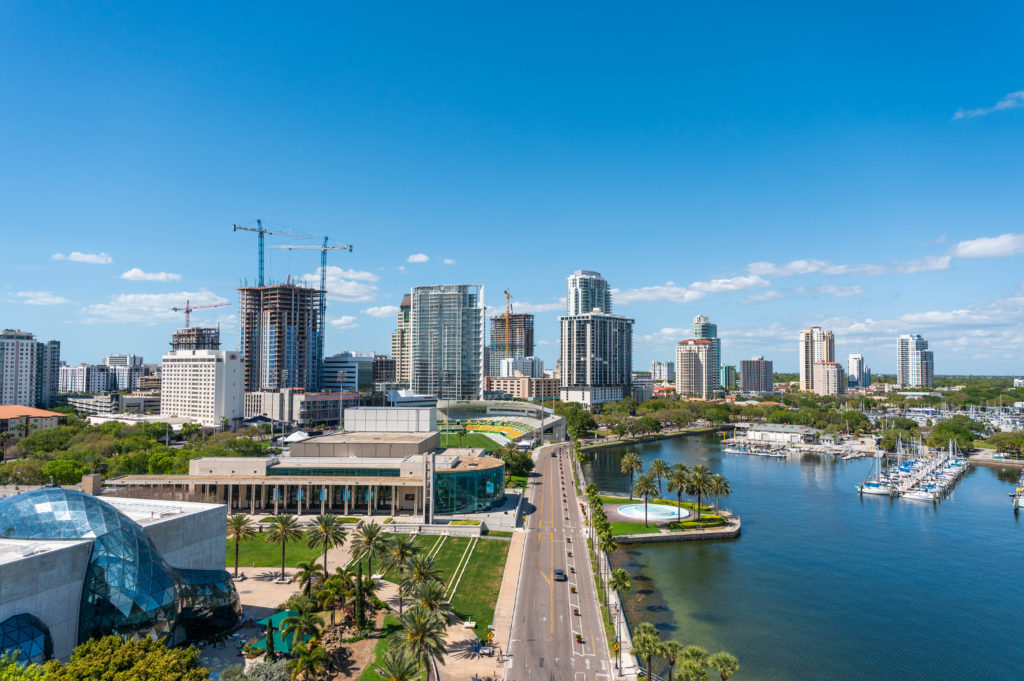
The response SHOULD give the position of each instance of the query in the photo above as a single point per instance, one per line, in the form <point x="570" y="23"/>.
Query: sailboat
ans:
<point x="877" y="481"/>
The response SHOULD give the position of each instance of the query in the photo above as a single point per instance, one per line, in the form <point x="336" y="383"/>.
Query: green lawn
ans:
<point x="517" y="482"/>
<point x="476" y="440"/>
<point x="258" y="552"/>
<point x="633" y="528"/>
<point x="499" y="533"/>
<point x="984" y="444"/>
<point x="447" y="558"/>
<point x="423" y="541"/>
<point x="478" y="591"/>
<point x="390" y="632"/>
<point x="704" y="522"/>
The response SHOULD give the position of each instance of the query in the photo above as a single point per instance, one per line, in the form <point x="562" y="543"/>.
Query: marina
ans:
<point x="915" y="473"/>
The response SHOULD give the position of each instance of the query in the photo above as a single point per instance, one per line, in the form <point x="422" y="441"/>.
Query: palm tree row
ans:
<point x="693" y="661"/>
<point x="698" y="482"/>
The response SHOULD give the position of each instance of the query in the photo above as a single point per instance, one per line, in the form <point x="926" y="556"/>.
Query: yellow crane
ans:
<point x="508" y="313"/>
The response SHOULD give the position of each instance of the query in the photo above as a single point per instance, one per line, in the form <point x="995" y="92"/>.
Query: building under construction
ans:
<point x="280" y="333"/>
<point x="519" y="330"/>
<point x="196" y="338"/>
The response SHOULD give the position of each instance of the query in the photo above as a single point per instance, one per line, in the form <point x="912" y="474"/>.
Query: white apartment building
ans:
<point x="816" y="345"/>
<point x="1018" y="383"/>
<point x="126" y="376"/>
<point x="587" y="291"/>
<point x="122" y="360"/>
<point x="663" y="371"/>
<point x="915" y="364"/>
<point x="29" y="369"/>
<point x="84" y="378"/>
<point x="696" y="368"/>
<point x="401" y="342"/>
<point x="446" y="325"/>
<point x="829" y="378"/>
<point x="532" y="367"/>
<point x="858" y="374"/>
<point x="203" y="386"/>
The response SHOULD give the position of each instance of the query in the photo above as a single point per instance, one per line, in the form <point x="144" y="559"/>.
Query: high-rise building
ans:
<point x="122" y="360"/>
<point x="203" y="386"/>
<point x="29" y="369"/>
<point x="858" y="374"/>
<point x="703" y="329"/>
<point x="383" y="369"/>
<point x="727" y="377"/>
<point x="400" y="343"/>
<point x="280" y="331"/>
<point x="663" y="371"/>
<point x="816" y="345"/>
<point x="915" y="364"/>
<point x="126" y="377"/>
<point x="84" y="378"/>
<point x="829" y="378"/>
<point x="756" y="375"/>
<point x="696" y="373"/>
<point x="519" y="330"/>
<point x="447" y="341"/>
<point x="587" y="292"/>
<point x="521" y="366"/>
<point x="196" y="338"/>
<point x="349" y="372"/>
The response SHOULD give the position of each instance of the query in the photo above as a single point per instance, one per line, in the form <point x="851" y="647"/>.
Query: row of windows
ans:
<point x="337" y="472"/>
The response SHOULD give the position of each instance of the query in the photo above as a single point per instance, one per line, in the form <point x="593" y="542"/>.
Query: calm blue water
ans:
<point x="824" y="584"/>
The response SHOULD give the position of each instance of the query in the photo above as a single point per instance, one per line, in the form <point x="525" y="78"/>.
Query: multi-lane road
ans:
<point x="543" y="645"/>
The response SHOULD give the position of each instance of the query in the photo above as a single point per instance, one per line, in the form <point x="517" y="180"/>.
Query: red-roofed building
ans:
<point x="18" y="421"/>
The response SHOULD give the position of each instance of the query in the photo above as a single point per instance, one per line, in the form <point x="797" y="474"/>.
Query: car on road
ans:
<point x="560" y="575"/>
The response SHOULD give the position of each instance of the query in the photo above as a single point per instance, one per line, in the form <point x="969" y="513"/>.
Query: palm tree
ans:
<point x="432" y="597"/>
<point x="239" y="528"/>
<point x="720" y="488"/>
<point x="725" y="664"/>
<point x="699" y="484"/>
<point x="631" y="464"/>
<point x="368" y="542"/>
<point x="645" y="488"/>
<point x="424" y="637"/>
<point x="659" y="469"/>
<point x="401" y="549"/>
<point x="308" y="661"/>
<point x="397" y="665"/>
<point x="695" y="654"/>
<point x="333" y="594"/>
<point x="4" y="439"/>
<point x="606" y="542"/>
<point x="304" y="622"/>
<point x="690" y="670"/>
<point x="283" y="529"/>
<point x="306" y="572"/>
<point x="422" y="570"/>
<point x="619" y="582"/>
<point x="671" y="650"/>
<point x="325" y="534"/>
<point x="646" y="644"/>
<point x="678" y="478"/>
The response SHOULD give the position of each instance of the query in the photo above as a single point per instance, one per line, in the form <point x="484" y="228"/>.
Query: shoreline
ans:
<point x="651" y="438"/>
<point x="986" y="459"/>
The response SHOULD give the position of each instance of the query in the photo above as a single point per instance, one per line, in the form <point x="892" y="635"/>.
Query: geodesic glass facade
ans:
<point x="27" y="636"/>
<point x="129" y="589"/>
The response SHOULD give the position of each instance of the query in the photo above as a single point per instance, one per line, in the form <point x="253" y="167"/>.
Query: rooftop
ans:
<point x="13" y="550"/>
<point x="783" y="428"/>
<point x="150" y="511"/>
<point x="16" y="411"/>
<point x="370" y="437"/>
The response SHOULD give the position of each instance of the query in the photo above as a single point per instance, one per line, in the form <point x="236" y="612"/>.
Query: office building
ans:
<point x="727" y="377"/>
<point x="915" y="366"/>
<point x="74" y="566"/>
<point x="829" y="378"/>
<point x="29" y="369"/>
<point x="383" y="369"/>
<point x="663" y="371"/>
<point x="293" y="407"/>
<point x="196" y="338"/>
<point x="122" y="360"/>
<point x="816" y="345"/>
<point x="126" y="377"/>
<point x="596" y="346"/>
<point x="401" y="346"/>
<point x="203" y="386"/>
<point x="642" y="388"/>
<point x="521" y="366"/>
<point x="518" y="330"/>
<point x="84" y="378"/>
<point x="350" y="373"/>
<point x="756" y="375"/>
<point x="523" y="387"/>
<point x="447" y="340"/>
<point x="703" y="329"/>
<point x="587" y="292"/>
<point x="858" y="374"/>
<point x="696" y="372"/>
<point x="280" y="337"/>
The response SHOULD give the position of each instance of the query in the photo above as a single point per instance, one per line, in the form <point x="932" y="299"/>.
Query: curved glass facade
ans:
<point x="129" y="589"/>
<point x="469" y="491"/>
<point x="27" y="636"/>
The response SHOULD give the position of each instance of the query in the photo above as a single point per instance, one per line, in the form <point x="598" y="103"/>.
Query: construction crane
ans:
<point x="260" y="231"/>
<point x="323" y="291"/>
<point x="508" y="313"/>
<point x="189" y="307"/>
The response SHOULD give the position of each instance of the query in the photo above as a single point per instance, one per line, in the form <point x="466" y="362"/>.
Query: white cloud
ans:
<point x="148" y="308"/>
<point x="990" y="247"/>
<point x="449" y="261"/>
<point x="665" y="336"/>
<point x="40" y="298"/>
<point x="794" y="267"/>
<point x="763" y="297"/>
<point x="533" y="308"/>
<point x="346" y="321"/>
<point x="347" y="286"/>
<point x="669" y="292"/>
<point x="381" y="311"/>
<point x="90" y="258"/>
<point x="543" y="342"/>
<point x="418" y="257"/>
<point x="731" y="284"/>
<point x="1014" y="100"/>
<point x="929" y="264"/>
<point x="136" y="274"/>
<point x="840" y="291"/>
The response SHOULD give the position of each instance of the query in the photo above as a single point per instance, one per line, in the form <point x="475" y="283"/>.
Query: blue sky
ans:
<point x="857" y="168"/>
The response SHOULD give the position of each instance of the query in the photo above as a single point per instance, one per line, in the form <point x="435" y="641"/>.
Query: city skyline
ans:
<point x="430" y="161"/>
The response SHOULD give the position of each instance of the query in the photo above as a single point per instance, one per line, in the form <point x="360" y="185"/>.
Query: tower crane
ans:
<point x="189" y="307"/>
<point x="260" y="231"/>
<point x="508" y="313"/>
<point x="323" y="291"/>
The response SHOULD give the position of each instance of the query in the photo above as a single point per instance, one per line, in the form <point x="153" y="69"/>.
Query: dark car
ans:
<point x="560" y="575"/>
